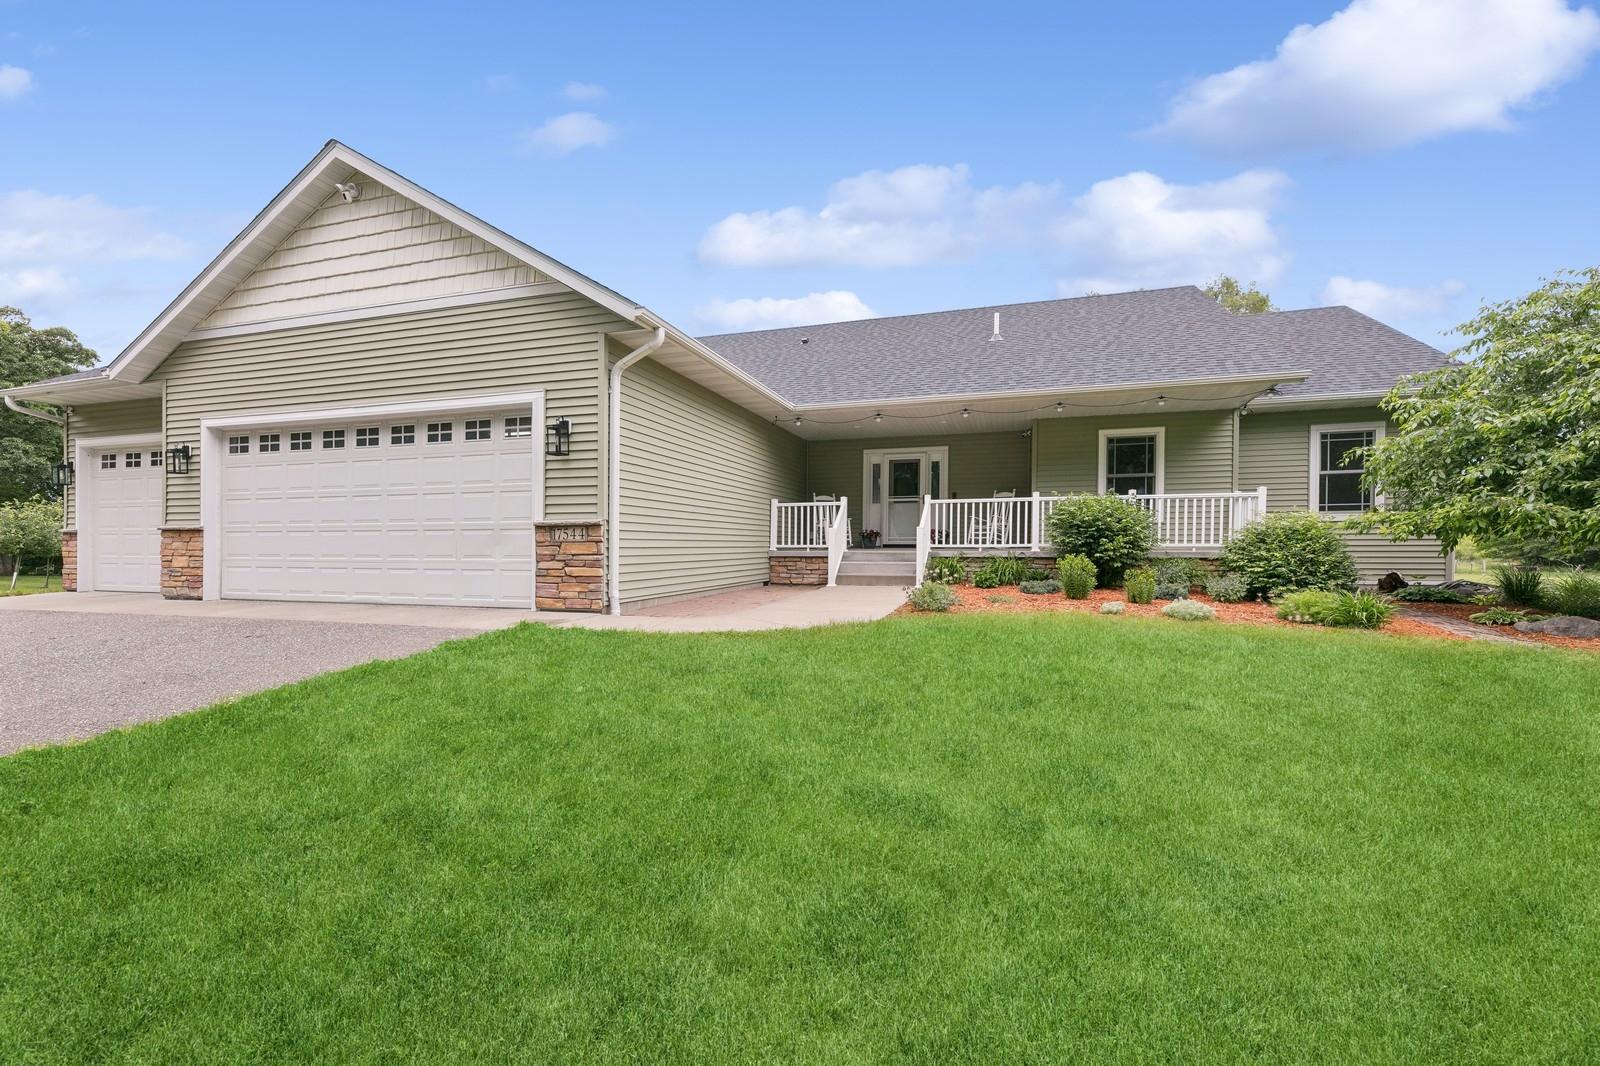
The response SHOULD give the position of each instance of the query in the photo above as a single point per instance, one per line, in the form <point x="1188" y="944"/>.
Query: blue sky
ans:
<point x="744" y="165"/>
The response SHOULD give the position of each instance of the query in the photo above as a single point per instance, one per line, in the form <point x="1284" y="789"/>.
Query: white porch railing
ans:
<point x="1185" y="522"/>
<point x="813" y="527"/>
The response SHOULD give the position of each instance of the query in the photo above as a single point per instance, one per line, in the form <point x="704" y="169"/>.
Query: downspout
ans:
<point x="614" y="480"/>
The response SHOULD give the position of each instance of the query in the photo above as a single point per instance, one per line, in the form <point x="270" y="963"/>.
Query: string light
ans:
<point x="966" y="413"/>
<point x="1161" y="401"/>
<point x="1058" y="406"/>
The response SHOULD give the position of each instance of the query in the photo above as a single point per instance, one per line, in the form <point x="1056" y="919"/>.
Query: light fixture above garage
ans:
<point x="61" y="475"/>
<point x="558" y="438"/>
<point x="178" y="459"/>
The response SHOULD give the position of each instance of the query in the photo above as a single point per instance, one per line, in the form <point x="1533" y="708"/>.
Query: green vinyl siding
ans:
<point x="107" y="420"/>
<point x="1199" y="450"/>
<point x="1275" y="451"/>
<point x="980" y="465"/>
<point x="699" y="474"/>
<point x="550" y="342"/>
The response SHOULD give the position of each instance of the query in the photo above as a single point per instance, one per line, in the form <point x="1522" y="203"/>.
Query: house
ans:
<point x="371" y="395"/>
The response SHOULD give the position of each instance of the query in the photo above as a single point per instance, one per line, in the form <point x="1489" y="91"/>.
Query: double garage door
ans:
<point x="420" y="509"/>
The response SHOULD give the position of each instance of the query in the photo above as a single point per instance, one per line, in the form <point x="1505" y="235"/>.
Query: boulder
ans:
<point x="1469" y="589"/>
<point x="1392" y="582"/>
<point x="1563" y="625"/>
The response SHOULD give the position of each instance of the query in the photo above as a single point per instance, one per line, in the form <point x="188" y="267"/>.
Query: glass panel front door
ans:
<point x="905" y="499"/>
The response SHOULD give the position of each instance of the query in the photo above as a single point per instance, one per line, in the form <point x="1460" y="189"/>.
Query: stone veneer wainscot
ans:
<point x="182" y="563"/>
<point x="570" y="562"/>
<point x="69" y="560"/>
<point x="797" y="569"/>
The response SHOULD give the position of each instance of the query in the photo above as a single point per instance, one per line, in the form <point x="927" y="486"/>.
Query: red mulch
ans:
<point x="1010" y="600"/>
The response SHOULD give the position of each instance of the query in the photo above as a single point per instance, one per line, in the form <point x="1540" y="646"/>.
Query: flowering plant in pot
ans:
<point x="870" y="537"/>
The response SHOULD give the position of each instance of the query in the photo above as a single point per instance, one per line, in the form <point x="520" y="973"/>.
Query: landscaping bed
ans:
<point x="970" y="600"/>
<point x="1463" y="612"/>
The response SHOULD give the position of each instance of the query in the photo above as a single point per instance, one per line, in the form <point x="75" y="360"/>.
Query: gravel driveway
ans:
<point x="66" y="676"/>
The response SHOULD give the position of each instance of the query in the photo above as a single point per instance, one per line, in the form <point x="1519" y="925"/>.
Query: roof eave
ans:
<point x="1287" y="377"/>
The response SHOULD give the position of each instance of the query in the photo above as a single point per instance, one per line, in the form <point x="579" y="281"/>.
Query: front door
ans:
<point x="908" y="478"/>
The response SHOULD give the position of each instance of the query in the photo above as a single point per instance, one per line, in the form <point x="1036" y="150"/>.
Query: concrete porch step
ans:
<point x="882" y="555"/>
<point x="900" y="580"/>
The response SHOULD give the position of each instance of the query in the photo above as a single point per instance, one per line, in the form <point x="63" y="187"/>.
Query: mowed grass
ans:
<point x="936" y="839"/>
<point x="28" y="584"/>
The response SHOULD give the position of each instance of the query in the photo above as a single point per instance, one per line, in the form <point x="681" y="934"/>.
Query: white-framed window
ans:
<point x="156" y="459"/>
<point x="1336" y="472"/>
<point x="267" y="442"/>
<point x="367" y="437"/>
<point x="333" y="438"/>
<point x="238" y="445"/>
<point x="133" y="460"/>
<point x="478" y="428"/>
<point x="403" y="434"/>
<point x="108" y="460"/>
<point x="300" y="440"/>
<point x="1133" y="460"/>
<point x="440" y="432"/>
<point x="519" y="426"/>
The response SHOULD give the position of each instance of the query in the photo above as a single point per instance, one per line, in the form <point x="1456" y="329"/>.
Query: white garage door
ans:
<point x="435" y="510"/>
<point x="125" y="520"/>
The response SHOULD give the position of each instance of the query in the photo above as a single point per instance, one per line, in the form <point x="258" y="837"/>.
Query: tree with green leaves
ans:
<point x="1502" y="445"/>
<point x="30" y="529"/>
<point x="1236" y="298"/>
<point x="29" y="447"/>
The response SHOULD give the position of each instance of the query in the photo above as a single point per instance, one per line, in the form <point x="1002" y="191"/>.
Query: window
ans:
<point x="519" y="426"/>
<point x="1130" y="461"/>
<point x="238" y="445"/>
<point x="440" y="432"/>
<point x="267" y="442"/>
<point x="403" y="434"/>
<point x="478" y="428"/>
<point x="133" y="460"/>
<point x="108" y="461"/>
<point x="1336" y="473"/>
<point x="156" y="459"/>
<point x="877" y="482"/>
<point x="333" y="438"/>
<point x="367" y="437"/>
<point x="300" y="440"/>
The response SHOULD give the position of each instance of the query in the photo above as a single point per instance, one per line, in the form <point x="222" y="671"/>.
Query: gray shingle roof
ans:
<point x="82" y="375"/>
<point x="1154" y="335"/>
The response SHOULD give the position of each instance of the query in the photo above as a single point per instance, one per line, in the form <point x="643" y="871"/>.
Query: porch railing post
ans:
<point x="1261" y="501"/>
<point x="773" y="546"/>
<point x="1036" y="526"/>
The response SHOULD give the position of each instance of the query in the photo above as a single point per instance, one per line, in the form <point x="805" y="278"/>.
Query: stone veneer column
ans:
<point x="569" y="565"/>
<point x="797" y="569"/>
<point x="182" y="563"/>
<point x="69" y="560"/>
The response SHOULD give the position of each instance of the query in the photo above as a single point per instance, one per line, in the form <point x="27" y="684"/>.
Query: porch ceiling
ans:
<point x="1018" y="411"/>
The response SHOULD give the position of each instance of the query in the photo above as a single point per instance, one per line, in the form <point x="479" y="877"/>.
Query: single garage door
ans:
<point x="125" y="520"/>
<point x="435" y="510"/>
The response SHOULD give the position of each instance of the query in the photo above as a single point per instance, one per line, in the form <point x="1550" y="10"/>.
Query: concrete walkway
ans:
<point x="768" y="607"/>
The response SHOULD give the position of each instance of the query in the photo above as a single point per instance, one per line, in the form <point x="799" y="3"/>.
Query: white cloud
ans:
<point x="770" y="312"/>
<point x="1391" y="301"/>
<point x="582" y="91"/>
<point x="1383" y="73"/>
<point x="14" y="81"/>
<point x="38" y="229"/>
<point x="916" y="214"/>
<point x="1140" y="231"/>
<point x="31" y="283"/>
<point x="567" y="133"/>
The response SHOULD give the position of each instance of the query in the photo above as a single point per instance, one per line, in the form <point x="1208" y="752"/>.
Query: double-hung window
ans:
<point x="1131" y="461"/>
<point x="1338" y="466"/>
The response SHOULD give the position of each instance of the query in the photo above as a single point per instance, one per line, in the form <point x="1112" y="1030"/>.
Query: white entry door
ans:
<point x="908" y="479"/>
<point x="894" y="482"/>
<point x="125" y="519"/>
<point x="416" y="509"/>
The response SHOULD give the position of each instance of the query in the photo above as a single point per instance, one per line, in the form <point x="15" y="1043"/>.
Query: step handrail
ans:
<point x="924" y="540"/>
<point x="838" y="539"/>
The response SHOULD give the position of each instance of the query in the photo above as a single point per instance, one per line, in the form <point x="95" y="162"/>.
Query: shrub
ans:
<point x="1522" y="586"/>
<point x="1077" y="574"/>
<point x="947" y="570"/>
<point x="1109" y="530"/>
<point x="1361" y="610"/>
<point x="1185" y="572"/>
<point x="1166" y="590"/>
<point x="1576" y="593"/>
<point x="1113" y="607"/>
<point x="1140" y="585"/>
<point x="1429" y="594"/>
<point x="1188" y="611"/>
<point x="1312" y="606"/>
<point x="1225" y="588"/>
<point x="1036" y="574"/>
<point x="931" y="596"/>
<point x="1001" y="570"/>
<point x="1289" y="550"/>
<point x="1047" y="587"/>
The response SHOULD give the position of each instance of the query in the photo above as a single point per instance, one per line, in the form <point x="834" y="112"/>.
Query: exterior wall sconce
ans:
<point x="558" y="437"/>
<point x="178" y="459"/>
<point x="61" y="475"/>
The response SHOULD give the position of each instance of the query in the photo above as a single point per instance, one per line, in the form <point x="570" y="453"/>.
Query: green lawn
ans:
<point x="28" y="584"/>
<point x="971" y="839"/>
